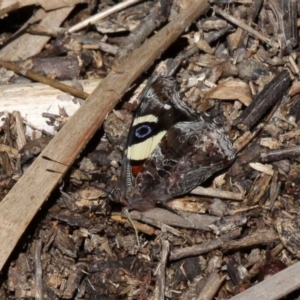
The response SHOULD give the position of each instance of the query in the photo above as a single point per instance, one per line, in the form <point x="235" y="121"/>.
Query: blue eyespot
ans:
<point x="143" y="131"/>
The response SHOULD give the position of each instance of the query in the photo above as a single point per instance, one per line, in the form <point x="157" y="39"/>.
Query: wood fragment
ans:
<point x="21" y="138"/>
<point x="36" y="184"/>
<point x="22" y="97"/>
<point x="58" y="68"/>
<point x="101" y="15"/>
<point x="204" y="247"/>
<point x="285" y="23"/>
<point x="264" y="236"/>
<point x="73" y="281"/>
<point x="253" y="13"/>
<point x="51" y="82"/>
<point x="247" y="137"/>
<point x="266" y="99"/>
<point x="276" y="287"/>
<point x="139" y="226"/>
<point x="42" y="30"/>
<point x="27" y="45"/>
<point x="258" y="189"/>
<point x="274" y="188"/>
<point x="156" y="17"/>
<point x="211" y="192"/>
<point x="159" y="292"/>
<point x="269" y="156"/>
<point x="288" y="230"/>
<point x="267" y="169"/>
<point x="211" y="286"/>
<point x="157" y="217"/>
<point x="38" y="271"/>
<point x="10" y="7"/>
<point x="245" y="27"/>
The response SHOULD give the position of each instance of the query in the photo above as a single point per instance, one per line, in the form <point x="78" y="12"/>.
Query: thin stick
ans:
<point x="38" y="271"/>
<point x="159" y="292"/>
<point x="280" y="154"/>
<point x="51" y="82"/>
<point x="101" y="15"/>
<point x="216" y="193"/>
<point x="245" y="27"/>
<point x="205" y="247"/>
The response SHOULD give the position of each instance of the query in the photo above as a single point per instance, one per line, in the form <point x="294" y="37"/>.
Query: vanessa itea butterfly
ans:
<point x="170" y="149"/>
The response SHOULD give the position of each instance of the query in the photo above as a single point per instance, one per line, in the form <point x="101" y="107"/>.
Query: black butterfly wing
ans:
<point x="161" y="107"/>
<point x="187" y="155"/>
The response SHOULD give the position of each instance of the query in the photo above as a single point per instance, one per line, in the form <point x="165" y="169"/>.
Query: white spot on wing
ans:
<point x="167" y="106"/>
<point x="143" y="119"/>
<point x="143" y="150"/>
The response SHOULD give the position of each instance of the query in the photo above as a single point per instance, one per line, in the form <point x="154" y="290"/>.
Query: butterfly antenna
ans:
<point x="127" y="214"/>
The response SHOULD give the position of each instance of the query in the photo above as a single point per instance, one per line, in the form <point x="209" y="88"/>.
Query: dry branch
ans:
<point x="266" y="99"/>
<point x="24" y="200"/>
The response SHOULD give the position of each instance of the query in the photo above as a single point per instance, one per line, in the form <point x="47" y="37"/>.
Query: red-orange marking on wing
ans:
<point x="136" y="169"/>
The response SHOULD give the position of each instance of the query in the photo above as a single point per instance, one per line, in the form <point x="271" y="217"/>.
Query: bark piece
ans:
<point x="288" y="229"/>
<point x="28" y="45"/>
<point x="60" y="68"/>
<point x="157" y="16"/>
<point x="258" y="189"/>
<point x="284" y="22"/>
<point x="205" y="247"/>
<point x="262" y="236"/>
<point x="265" y="100"/>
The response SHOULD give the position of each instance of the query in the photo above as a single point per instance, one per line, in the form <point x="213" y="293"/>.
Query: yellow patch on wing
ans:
<point x="144" y="149"/>
<point x="144" y="119"/>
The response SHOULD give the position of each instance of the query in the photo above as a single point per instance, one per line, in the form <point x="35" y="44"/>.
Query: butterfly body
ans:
<point x="170" y="149"/>
<point x="161" y="107"/>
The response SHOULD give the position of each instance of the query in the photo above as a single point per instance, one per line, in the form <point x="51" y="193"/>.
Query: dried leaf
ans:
<point x="231" y="90"/>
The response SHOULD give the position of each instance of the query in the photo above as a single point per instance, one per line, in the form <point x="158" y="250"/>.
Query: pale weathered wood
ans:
<point x="23" y="201"/>
<point x="276" y="287"/>
<point x="33" y="99"/>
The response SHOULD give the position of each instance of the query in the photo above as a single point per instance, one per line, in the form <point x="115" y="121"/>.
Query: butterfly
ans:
<point x="170" y="149"/>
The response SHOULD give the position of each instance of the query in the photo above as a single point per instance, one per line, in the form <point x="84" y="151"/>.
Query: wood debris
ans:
<point x="235" y="237"/>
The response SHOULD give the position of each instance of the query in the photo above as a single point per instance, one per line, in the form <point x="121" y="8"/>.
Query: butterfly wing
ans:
<point x="187" y="155"/>
<point x="161" y="107"/>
